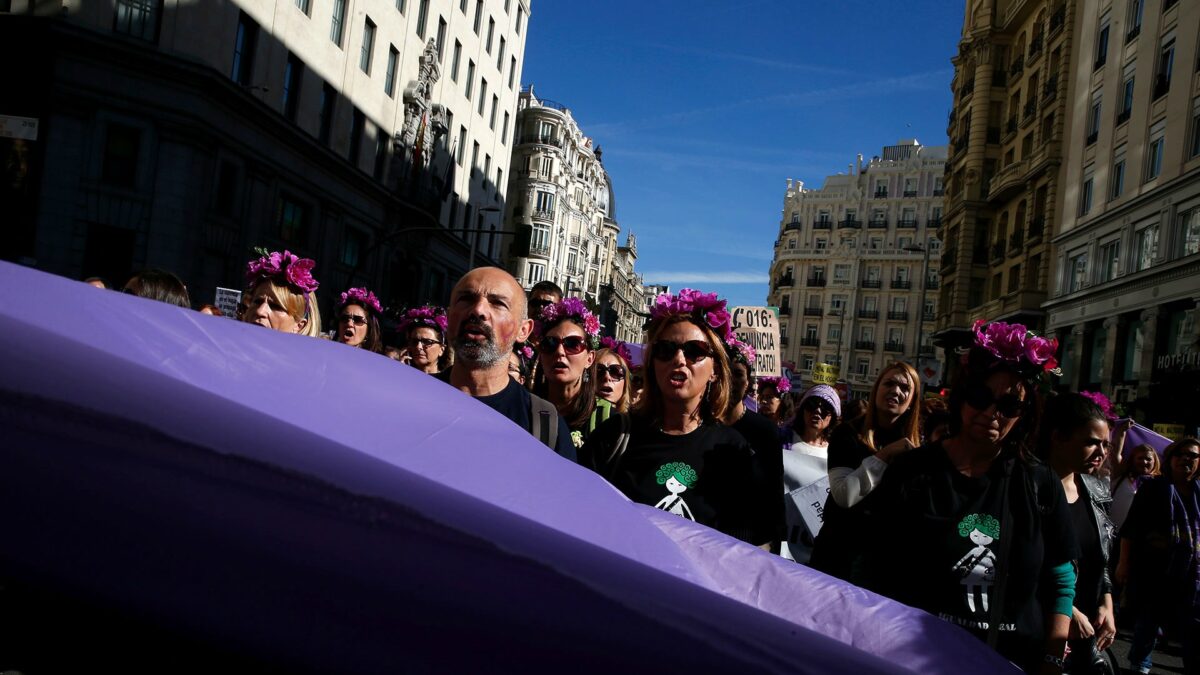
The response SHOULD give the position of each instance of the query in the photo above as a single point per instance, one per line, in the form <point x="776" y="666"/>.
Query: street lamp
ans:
<point x="924" y="286"/>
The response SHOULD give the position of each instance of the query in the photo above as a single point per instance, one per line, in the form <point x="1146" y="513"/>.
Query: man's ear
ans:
<point x="525" y="329"/>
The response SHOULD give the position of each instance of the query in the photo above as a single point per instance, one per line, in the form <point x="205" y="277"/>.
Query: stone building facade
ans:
<point x="370" y="135"/>
<point x="854" y="272"/>
<point x="1126" y="286"/>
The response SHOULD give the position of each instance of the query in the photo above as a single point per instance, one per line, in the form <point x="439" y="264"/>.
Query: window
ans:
<point x="863" y="367"/>
<point x="545" y="201"/>
<point x="441" y="40"/>
<point x="1109" y="260"/>
<point x="837" y="303"/>
<point x="381" y="153"/>
<point x="338" y="23"/>
<point x="1077" y="271"/>
<point x="1135" y="19"/>
<point x="792" y="243"/>
<point x="899" y="305"/>
<point x="875" y="243"/>
<point x="1102" y="44"/>
<point x="520" y="19"/>
<point x="457" y="58"/>
<point x="808" y="361"/>
<point x="841" y="274"/>
<point x="492" y="116"/>
<point x="487" y="165"/>
<point x="499" y="179"/>
<point x="1166" y="65"/>
<point x="293" y="75"/>
<point x="512" y="71"/>
<point x="368" y="46"/>
<point x="292" y="220"/>
<point x="1194" y="150"/>
<point x="139" y="18"/>
<point x="821" y="244"/>
<point x="1154" y="150"/>
<point x="328" y="107"/>
<point x="422" y="18"/>
<point x="400" y="6"/>
<point x="504" y="130"/>
<point x="537" y="272"/>
<point x="541" y="237"/>
<point x="1145" y="243"/>
<point x="478" y="14"/>
<point x="1187" y="234"/>
<point x="1126" y="94"/>
<point x="475" y="156"/>
<point x="490" y="34"/>
<point x="389" y="82"/>
<point x="482" y="94"/>
<point x="243" y="50"/>
<point x="122" y="145"/>
<point x="833" y="332"/>
<point x="353" y="244"/>
<point x="500" y="55"/>
<point x="1117" y="179"/>
<point x="462" y="7"/>
<point x="1093" y="127"/>
<point x="470" y="77"/>
<point x="1085" y="194"/>
<point x="547" y="167"/>
<point x="358" y="123"/>
<point x="996" y="280"/>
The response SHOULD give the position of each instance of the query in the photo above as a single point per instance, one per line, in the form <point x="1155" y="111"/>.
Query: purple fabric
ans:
<point x="292" y="496"/>
<point x="1138" y="434"/>
<point x="637" y="354"/>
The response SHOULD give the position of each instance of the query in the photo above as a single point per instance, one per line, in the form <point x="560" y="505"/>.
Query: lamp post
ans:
<point x="924" y="286"/>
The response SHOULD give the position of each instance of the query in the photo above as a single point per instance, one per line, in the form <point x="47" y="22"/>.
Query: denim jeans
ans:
<point x="1145" y="634"/>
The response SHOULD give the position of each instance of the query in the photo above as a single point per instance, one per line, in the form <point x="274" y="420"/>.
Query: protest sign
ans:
<point x="759" y="328"/>
<point x="809" y="503"/>
<point x="227" y="300"/>
<point x="823" y="373"/>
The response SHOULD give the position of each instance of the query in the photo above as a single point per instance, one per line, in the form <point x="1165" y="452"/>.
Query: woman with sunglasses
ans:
<point x="859" y="453"/>
<point x="568" y="335"/>
<point x="424" y="331"/>
<point x="771" y="392"/>
<point x="611" y="372"/>
<point x="1074" y="440"/>
<point x="973" y="529"/>
<point x="805" y="462"/>
<point x="1160" y="557"/>
<point x="281" y="294"/>
<point x="672" y="451"/>
<point x="358" y="312"/>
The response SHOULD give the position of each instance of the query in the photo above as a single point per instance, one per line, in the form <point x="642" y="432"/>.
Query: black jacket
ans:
<point x="1098" y="492"/>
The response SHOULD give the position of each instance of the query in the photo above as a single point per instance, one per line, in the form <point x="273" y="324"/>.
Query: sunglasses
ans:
<point x="614" y="372"/>
<point x="818" y="406"/>
<point x="423" y="343"/>
<point x="981" y="398"/>
<point x="1186" y="455"/>
<point x="356" y="319"/>
<point x="572" y="344"/>
<point x="693" y="350"/>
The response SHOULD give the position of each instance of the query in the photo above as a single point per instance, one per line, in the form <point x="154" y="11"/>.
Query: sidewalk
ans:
<point x="1167" y="657"/>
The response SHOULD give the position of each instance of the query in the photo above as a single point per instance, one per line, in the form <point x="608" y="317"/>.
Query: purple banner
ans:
<point x="1138" y="435"/>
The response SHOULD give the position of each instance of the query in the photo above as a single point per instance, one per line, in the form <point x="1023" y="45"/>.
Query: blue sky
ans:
<point x="704" y="109"/>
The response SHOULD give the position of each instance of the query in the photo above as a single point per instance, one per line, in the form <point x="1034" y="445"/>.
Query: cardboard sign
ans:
<point x="227" y="299"/>
<point x="759" y="328"/>
<point x="930" y="372"/>
<point x="809" y="503"/>
<point x="24" y="128"/>
<point x="823" y="373"/>
<point x="1169" y="430"/>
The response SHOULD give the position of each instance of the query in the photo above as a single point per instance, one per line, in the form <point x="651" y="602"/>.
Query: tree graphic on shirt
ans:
<point x="677" y="477"/>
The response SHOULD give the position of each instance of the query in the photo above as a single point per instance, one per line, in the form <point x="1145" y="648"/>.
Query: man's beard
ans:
<point x="478" y="355"/>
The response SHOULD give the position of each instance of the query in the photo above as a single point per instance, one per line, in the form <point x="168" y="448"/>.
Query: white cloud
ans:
<point x="705" y="277"/>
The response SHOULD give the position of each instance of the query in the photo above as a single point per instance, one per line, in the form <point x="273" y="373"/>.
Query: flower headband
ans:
<point x="427" y="315"/>
<point x="574" y="310"/>
<point x="1014" y="343"/>
<point x="1103" y="403"/>
<point x="286" y="267"/>
<point x="619" y="348"/>
<point x="523" y="350"/>
<point x="740" y="352"/>
<point x="782" y="384"/>
<point x="704" y="307"/>
<point x="361" y="296"/>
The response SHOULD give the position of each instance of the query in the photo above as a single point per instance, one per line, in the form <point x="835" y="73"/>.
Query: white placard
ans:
<point x="25" y="128"/>
<point x="759" y="327"/>
<point x="809" y="503"/>
<point x="227" y="300"/>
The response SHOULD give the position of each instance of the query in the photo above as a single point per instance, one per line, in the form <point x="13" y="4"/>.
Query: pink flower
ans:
<point x="363" y="297"/>
<point x="295" y="271"/>
<point x="1040" y="350"/>
<point x="572" y="309"/>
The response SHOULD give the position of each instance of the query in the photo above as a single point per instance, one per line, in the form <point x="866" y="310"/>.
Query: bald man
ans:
<point x="487" y="315"/>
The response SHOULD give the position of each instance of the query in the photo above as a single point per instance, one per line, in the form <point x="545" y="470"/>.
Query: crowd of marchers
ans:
<point x="1009" y="507"/>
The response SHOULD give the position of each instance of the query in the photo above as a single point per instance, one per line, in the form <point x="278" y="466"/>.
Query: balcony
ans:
<point x="1010" y="127"/>
<point x="933" y="223"/>
<point x="1050" y="88"/>
<point x="871" y="283"/>
<point x="938" y="192"/>
<point x="925" y="350"/>
<point x="813" y="311"/>
<point x="897" y="316"/>
<point x="810" y="342"/>
<point x="901" y="284"/>
<point x="881" y="194"/>
<point x="877" y="224"/>
<point x="849" y="224"/>
<point x="785" y="311"/>
<point x="868" y="314"/>
<point x="1058" y="19"/>
<point x="997" y="252"/>
<point x="1091" y="138"/>
<point x="540" y="251"/>
<point x="1016" y="243"/>
<point x="540" y="214"/>
<point x="910" y="193"/>
<point x="794" y="225"/>
<point x="928" y="316"/>
<point x="822" y="224"/>
<point x="1037" y="225"/>
<point x="961" y="143"/>
<point x="949" y="259"/>
<point x="818" y="282"/>
<point x="967" y="89"/>
<point x="890" y="346"/>
<point x="1008" y="181"/>
<point x="1162" y="84"/>
<point x="932" y="283"/>
<point x="784" y="280"/>
<point x="541" y="140"/>
<point x="1133" y="33"/>
<point x="1017" y="67"/>
<point x="1035" y="46"/>
<point x="906" y="224"/>
<point x="1030" y="109"/>
<point x="866" y="345"/>
<point x="1123" y="116"/>
<point x="575" y="239"/>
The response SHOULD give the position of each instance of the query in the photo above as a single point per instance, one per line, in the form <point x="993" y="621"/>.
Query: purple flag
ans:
<point x="1138" y="434"/>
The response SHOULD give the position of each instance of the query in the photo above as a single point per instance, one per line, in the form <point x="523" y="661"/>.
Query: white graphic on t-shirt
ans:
<point x="977" y="569"/>
<point x="676" y="477"/>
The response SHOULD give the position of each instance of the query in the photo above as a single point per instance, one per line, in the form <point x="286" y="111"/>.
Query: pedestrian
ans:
<point x="672" y="451"/>
<point x="611" y="371"/>
<point x="859" y="453"/>
<point x="806" y="461"/>
<point x="487" y="315"/>
<point x="424" y="332"/>
<point x="973" y="528"/>
<point x="762" y="433"/>
<point x="160" y="285"/>
<point x="567" y="335"/>
<point x="1074" y="438"/>
<point x="358" y="313"/>
<point x="1160" y="557"/>
<point x="281" y="294"/>
<point x="771" y="393"/>
<point x="542" y="295"/>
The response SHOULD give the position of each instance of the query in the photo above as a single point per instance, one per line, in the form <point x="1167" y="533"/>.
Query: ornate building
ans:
<point x="1004" y="171"/>
<point x="1126" y="288"/>
<point x="852" y="272"/>
<point x="622" y="294"/>
<point x="373" y="136"/>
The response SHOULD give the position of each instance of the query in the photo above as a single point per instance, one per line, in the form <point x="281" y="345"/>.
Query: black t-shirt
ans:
<point x="764" y="439"/>
<point x="705" y="476"/>
<point x="515" y="403"/>
<point x="937" y="538"/>
<point x="1091" y="560"/>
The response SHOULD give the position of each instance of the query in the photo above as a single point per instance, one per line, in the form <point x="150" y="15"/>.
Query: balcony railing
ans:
<point x="785" y="311"/>
<point x="932" y="283"/>
<point x="1091" y="138"/>
<point x="783" y="341"/>
<point x="1162" y="84"/>
<point x="541" y="139"/>
<point x="910" y="193"/>
<point x="1035" y="46"/>
<point x="925" y="350"/>
<point x="949" y="259"/>
<point x="907" y="224"/>
<point x="933" y="222"/>
<point x="1123" y="116"/>
<point x="928" y="316"/>
<point x="1010" y="127"/>
<point x="543" y="251"/>
<point x="540" y="214"/>
<point x="1018" y="66"/>
<point x="897" y="316"/>
<point x="1050" y="88"/>
<point x="938" y="192"/>
<point x="810" y="342"/>
<point x="867" y="345"/>
<point x="816" y="281"/>
<point x="1133" y="33"/>
<point x="890" y="346"/>
<point x="868" y="314"/>
<point x="822" y="224"/>
<point x="871" y="283"/>
<point x="1037" y="225"/>
<point x="881" y="194"/>
<point x="997" y="252"/>
<point x="849" y="224"/>
<point x="1030" y="108"/>
<point x="784" y="280"/>
<point x="794" y="225"/>
<point x="901" y="284"/>
<point x="813" y="311"/>
<point x="877" y="224"/>
<point x="1016" y="243"/>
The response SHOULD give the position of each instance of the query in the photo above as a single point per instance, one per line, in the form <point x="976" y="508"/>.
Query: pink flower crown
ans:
<point x="427" y="315"/>
<point x="782" y="384"/>
<point x="361" y="296"/>
<point x="1102" y="403"/>
<point x="740" y="352"/>
<point x="705" y="307"/>
<point x="571" y="309"/>
<point x="523" y="350"/>
<point x="286" y="267"/>
<point x="619" y="348"/>
<point x="1014" y="343"/>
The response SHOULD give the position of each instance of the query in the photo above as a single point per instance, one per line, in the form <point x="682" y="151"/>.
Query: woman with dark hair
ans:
<point x="772" y="392"/>
<point x="859" y="453"/>
<point x="281" y="294"/>
<point x="673" y="451"/>
<point x="358" y="313"/>
<point x="762" y="433"/>
<point x="160" y="285"/>
<point x="1160" y="557"/>
<point x="567" y="335"/>
<point x="424" y="331"/>
<point x="1074" y="437"/>
<point x="972" y="528"/>
<point x="805" y="462"/>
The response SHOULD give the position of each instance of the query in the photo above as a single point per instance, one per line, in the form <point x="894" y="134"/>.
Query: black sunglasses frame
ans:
<point x="572" y="344"/>
<point x="614" y="371"/>
<point x="352" y="318"/>
<point x="693" y="350"/>
<point x="981" y="398"/>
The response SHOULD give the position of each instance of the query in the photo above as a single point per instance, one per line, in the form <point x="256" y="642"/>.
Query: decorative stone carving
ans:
<point x="425" y="123"/>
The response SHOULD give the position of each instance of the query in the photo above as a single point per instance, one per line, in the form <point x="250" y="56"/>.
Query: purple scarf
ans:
<point x="1185" y="534"/>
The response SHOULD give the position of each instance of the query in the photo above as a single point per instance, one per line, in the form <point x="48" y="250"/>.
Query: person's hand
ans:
<point x="1081" y="628"/>
<point x="890" y="451"/>
<point x="1106" y="628"/>
<point x="1122" y="573"/>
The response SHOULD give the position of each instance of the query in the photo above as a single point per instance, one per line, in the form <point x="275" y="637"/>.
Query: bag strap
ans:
<point x="543" y="421"/>
<point x="610" y="465"/>
<point x="996" y="613"/>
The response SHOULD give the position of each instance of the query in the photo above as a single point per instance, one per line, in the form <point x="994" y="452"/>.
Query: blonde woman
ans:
<point x="281" y="294"/>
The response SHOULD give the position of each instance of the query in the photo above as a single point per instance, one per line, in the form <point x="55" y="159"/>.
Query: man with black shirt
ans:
<point x="764" y="438"/>
<point x="487" y="314"/>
